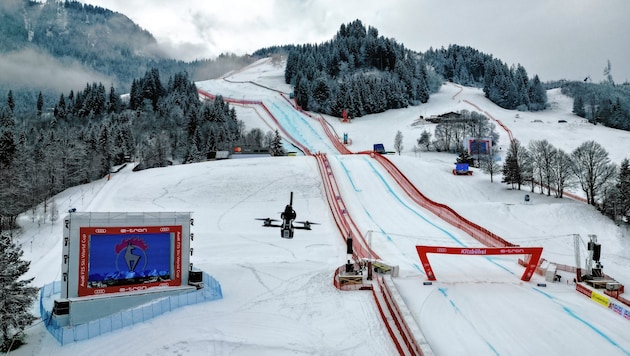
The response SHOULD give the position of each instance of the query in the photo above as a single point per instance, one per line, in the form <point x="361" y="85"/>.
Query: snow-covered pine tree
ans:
<point x="511" y="171"/>
<point x="16" y="296"/>
<point x="623" y="185"/>
<point x="515" y="166"/>
<point x="11" y="101"/>
<point x="276" y="148"/>
<point x="465" y="157"/>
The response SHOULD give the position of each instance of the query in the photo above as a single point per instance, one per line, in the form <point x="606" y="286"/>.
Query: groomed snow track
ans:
<point x="404" y="337"/>
<point x="405" y="334"/>
<point x="401" y="326"/>
<point x="403" y="330"/>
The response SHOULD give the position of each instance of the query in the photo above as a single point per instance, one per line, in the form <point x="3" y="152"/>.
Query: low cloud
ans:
<point x="30" y="68"/>
<point x="555" y="39"/>
<point x="11" y="5"/>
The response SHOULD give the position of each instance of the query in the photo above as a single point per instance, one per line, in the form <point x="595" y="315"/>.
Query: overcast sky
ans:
<point x="552" y="38"/>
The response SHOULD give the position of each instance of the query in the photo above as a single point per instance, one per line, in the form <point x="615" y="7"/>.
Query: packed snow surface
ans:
<point x="278" y="294"/>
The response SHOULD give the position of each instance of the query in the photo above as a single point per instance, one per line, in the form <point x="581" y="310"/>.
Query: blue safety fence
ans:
<point x="67" y="334"/>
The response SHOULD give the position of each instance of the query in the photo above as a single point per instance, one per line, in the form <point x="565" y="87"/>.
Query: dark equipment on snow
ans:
<point x="288" y="216"/>
<point x="462" y="169"/>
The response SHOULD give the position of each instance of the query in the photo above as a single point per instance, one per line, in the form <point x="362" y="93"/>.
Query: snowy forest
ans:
<point x="91" y="131"/>
<point x="66" y="44"/>
<point x="508" y="87"/>
<point x="117" y="47"/>
<point x="358" y="71"/>
<point x="605" y="103"/>
<point x="365" y="73"/>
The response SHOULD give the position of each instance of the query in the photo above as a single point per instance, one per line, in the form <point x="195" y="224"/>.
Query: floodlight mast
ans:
<point x="593" y="251"/>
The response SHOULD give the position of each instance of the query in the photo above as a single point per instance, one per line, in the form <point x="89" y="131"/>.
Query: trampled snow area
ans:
<point x="278" y="294"/>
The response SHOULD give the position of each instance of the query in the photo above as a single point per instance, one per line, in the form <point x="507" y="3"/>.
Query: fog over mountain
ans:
<point x="31" y="68"/>
<point x="568" y="39"/>
<point x="63" y="45"/>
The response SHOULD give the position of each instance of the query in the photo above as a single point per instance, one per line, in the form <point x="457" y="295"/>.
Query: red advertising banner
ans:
<point x="127" y="259"/>
<point x="530" y="268"/>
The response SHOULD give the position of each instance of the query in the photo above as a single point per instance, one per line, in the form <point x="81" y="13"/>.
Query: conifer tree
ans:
<point x="465" y="157"/>
<point x="578" y="106"/>
<point x="276" y="148"/>
<point x="7" y="138"/>
<point x="513" y="169"/>
<point x="425" y="139"/>
<point x="11" y="101"/>
<point x="114" y="102"/>
<point x="40" y="104"/>
<point x="16" y="296"/>
<point x="623" y="186"/>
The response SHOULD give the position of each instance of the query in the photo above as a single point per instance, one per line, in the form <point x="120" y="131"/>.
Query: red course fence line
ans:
<point x="262" y="105"/>
<point x="445" y="212"/>
<point x="509" y="132"/>
<point x="401" y="325"/>
<point x="347" y="227"/>
<point x="389" y="318"/>
<point x="331" y="136"/>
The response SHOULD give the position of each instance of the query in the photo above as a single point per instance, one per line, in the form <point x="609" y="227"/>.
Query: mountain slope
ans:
<point x="69" y="38"/>
<point x="278" y="293"/>
<point x="62" y="45"/>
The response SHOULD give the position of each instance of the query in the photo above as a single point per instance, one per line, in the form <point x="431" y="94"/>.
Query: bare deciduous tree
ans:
<point x="398" y="145"/>
<point x="593" y="169"/>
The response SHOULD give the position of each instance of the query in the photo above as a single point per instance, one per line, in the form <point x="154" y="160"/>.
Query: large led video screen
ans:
<point x="482" y="146"/>
<point x="128" y="259"/>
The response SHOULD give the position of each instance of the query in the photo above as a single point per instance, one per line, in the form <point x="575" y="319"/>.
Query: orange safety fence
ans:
<point x="347" y="227"/>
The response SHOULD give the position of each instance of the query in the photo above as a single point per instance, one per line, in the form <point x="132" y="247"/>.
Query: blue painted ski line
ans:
<point x="389" y="188"/>
<point x="454" y="306"/>
<point x="578" y="318"/>
<point x="295" y="132"/>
